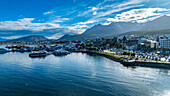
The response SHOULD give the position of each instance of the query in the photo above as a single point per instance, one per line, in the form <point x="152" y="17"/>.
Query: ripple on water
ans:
<point x="78" y="74"/>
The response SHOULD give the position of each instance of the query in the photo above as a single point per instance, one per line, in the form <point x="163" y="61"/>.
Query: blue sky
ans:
<point x="54" y="18"/>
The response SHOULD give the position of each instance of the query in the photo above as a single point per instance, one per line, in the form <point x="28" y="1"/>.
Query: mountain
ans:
<point x="32" y="38"/>
<point x="1" y="39"/>
<point x="114" y="28"/>
<point x="122" y="27"/>
<point x="148" y="32"/>
<point x="79" y="37"/>
<point x="137" y="33"/>
<point x="157" y="24"/>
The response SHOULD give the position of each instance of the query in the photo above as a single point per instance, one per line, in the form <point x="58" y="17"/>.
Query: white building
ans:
<point x="165" y="43"/>
<point x="153" y="44"/>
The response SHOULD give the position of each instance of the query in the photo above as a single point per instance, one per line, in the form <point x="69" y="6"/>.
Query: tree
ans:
<point x="124" y="53"/>
<point x="133" y="54"/>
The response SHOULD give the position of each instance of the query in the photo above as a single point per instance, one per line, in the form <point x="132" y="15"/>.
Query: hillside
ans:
<point x="157" y="24"/>
<point x="113" y="28"/>
<point x="79" y="36"/>
<point x="137" y="33"/>
<point x="160" y="23"/>
<point x="151" y="32"/>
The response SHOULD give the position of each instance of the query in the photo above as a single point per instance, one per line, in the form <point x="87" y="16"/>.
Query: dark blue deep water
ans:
<point x="78" y="74"/>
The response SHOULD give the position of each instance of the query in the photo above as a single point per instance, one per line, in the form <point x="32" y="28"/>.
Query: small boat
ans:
<point x="60" y="52"/>
<point x="22" y="50"/>
<point x="4" y="50"/>
<point x="38" y="54"/>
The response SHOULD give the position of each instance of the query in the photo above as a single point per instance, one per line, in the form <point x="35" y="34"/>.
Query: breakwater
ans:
<point x="129" y="63"/>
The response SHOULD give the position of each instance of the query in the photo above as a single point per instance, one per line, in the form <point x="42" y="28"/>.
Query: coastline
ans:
<point x="129" y="63"/>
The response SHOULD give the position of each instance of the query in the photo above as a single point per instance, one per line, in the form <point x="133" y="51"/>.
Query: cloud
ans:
<point x="167" y="3"/>
<point x="49" y="12"/>
<point x="108" y="9"/>
<point x="54" y="33"/>
<point x="140" y="15"/>
<point x="91" y="10"/>
<point x="60" y="20"/>
<point x="102" y="11"/>
<point x="102" y="14"/>
<point x="77" y="17"/>
<point x="13" y="37"/>
<point x="26" y="24"/>
<point x="87" y="22"/>
<point x="95" y="13"/>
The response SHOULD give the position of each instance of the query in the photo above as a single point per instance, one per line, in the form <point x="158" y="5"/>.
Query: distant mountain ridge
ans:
<point x="157" y="24"/>
<point x="2" y="39"/>
<point x="114" y="28"/>
<point x="137" y="33"/>
<point x="79" y="36"/>
<point x="122" y="27"/>
<point x="31" y="38"/>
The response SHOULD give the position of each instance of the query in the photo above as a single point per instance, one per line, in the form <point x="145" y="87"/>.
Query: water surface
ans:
<point x="78" y="74"/>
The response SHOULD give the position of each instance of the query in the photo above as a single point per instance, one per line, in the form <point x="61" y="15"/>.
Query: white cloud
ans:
<point x="57" y="35"/>
<point x="95" y="13"/>
<point x="61" y="20"/>
<point x="100" y="12"/>
<point x="139" y="15"/>
<point x="26" y="24"/>
<point x="110" y="19"/>
<point x="109" y="12"/>
<point x="167" y="3"/>
<point x="13" y="37"/>
<point x="49" y="12"/>
<point x="87" y="22"/>
<point x="94" y="8"/>
<point x="108" y="9"/>
<point x="106" y="23"/>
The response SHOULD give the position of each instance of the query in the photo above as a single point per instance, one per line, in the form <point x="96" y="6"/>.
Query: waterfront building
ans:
<point x="165" y="43"/>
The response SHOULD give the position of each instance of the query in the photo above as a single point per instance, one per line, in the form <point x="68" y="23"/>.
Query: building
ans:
<point x="149" y="43"/>
<point x="165" y="43"/>
<point x="153" y="44"/>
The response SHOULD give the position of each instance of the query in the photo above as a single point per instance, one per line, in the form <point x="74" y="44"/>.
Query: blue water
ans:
<point x="78" y="74"/>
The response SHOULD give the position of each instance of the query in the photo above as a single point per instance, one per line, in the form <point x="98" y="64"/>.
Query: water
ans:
<point x="78" y="74"/>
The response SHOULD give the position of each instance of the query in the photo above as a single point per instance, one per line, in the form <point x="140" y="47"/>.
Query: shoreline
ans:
<point x="129" y="63"/>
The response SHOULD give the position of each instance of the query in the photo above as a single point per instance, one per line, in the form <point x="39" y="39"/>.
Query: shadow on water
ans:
<point x="3" y="53"/>
<point x="61" y="55"/>
<point x="38" y="57"/>
<point x="91" y="54"/>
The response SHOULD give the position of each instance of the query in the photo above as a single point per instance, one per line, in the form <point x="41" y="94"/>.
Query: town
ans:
<point x="130" y="48"/>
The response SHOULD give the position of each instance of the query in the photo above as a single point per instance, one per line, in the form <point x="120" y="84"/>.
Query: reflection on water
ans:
<point x="78" y="74"/>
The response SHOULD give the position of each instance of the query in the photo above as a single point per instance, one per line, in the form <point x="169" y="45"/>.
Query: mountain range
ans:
<point x="122" y="27"/>
<point x="114" y="28"/>
<point x="32" y="38"/>
<point x="159" y="26"/>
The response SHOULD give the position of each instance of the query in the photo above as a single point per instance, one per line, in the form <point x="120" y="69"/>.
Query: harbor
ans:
<point x="132" y="59"/>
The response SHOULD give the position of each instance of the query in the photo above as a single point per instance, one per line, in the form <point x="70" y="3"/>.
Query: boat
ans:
<point x="22" y="50"/>
<point x="60" y="52"/>
<point x="38" y="54"/>
<point x="4" y="50"/>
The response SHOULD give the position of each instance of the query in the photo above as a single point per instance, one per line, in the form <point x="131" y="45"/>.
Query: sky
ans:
<point x="55" y="18"/>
